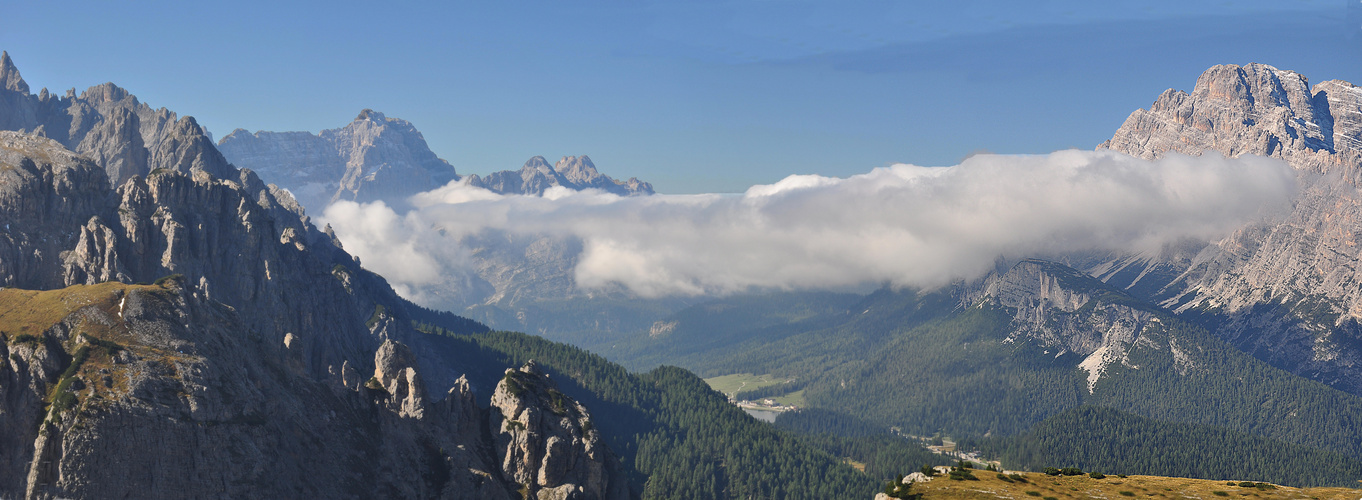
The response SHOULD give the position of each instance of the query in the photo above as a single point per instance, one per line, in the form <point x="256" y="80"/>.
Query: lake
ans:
<point x="762" y="415"/>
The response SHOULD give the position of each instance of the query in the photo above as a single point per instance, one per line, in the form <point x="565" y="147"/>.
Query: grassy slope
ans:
<point x="33" y="312"/>
<point x="95" y="314"/>
<point x="1113" y="488"/>
<point x="681" y="438"/>
<point x="734" y="383"/>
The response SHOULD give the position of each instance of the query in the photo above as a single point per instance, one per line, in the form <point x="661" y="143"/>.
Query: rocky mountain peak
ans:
<point x="367" y="114"/>
<point x="1288" y="288"/>
<point x="372" y="158"/>
<point x="1254" y="84"/>
<point x="573" y="172"/>
<point x="537" y="164"/>
<point x="1249" y="109"/>
<point x="107" y="92"/>
<point x="9" y="75"/>
<point x="577" y="169"/>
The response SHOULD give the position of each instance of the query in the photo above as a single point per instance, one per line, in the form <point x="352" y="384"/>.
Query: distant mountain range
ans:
<point x="377" y="158"/>
<point x="573" y="172"/>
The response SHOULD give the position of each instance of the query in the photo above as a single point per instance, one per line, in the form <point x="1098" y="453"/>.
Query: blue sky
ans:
<point x="692" y="96"/>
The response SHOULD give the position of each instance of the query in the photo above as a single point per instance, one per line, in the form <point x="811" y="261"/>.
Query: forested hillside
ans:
<point x="683" y="440"/>
<point x="1115" y="442"/>
<point x="958" y="362"/>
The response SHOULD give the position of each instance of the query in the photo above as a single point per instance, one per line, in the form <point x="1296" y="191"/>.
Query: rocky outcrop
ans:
<point x="1286" y="289"/>
<point x="395" y="374"/>
<point x="548" y="443"/>
<point x="9" y="75"/>
<point x="373" y="158"/>
<point x="108" y="125"/>
<point x="1069" y="312"/>
<point x="573" y="172"/>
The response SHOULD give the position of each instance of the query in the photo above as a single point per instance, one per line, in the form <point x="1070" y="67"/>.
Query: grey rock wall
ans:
<point x="548" y="443"/>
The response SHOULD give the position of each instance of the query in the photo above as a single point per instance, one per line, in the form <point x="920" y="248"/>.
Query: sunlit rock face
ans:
<point x="1287" y="288"/>
<point x="549" y="443"/>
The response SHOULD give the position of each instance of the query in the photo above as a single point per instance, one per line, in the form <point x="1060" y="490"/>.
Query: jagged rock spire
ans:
<point x="369" y="114"/>
<point x="9" y="75"/>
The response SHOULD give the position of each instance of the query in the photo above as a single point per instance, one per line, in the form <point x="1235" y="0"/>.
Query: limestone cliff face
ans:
<point x="110" y="126"/>
<point x="373" y="158"/>
<point x="9" y="75"/>
<point x="1288" y="289"/>
<point x="1251" y="109"/>
<point x="547" y="442"/>
<point x="1069" y="312"/>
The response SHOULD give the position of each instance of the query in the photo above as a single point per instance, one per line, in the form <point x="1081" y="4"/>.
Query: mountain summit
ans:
<point x="9" y="75"/>
<point x="110" y="126"/>
<point x="1289" y="289"/>
<point x="1251" y="109"/>
<point x="372" y="158"/>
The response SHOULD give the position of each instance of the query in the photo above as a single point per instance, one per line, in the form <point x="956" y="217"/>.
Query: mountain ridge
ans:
<point x="1000" y="354"/>
<point x="372" y="158"/>
<point x="1287" y="289"/>
<point x="254" y="338"/>
<point x="381" y="158"/>
<point x="573" y="172"/>
<point x="126" y="137"/>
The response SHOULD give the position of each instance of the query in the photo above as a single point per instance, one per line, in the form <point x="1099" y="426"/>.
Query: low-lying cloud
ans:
<point x="906" y="225"/>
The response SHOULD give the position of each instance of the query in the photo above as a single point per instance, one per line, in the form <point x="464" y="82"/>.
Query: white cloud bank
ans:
<point x="908" y="225"/>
